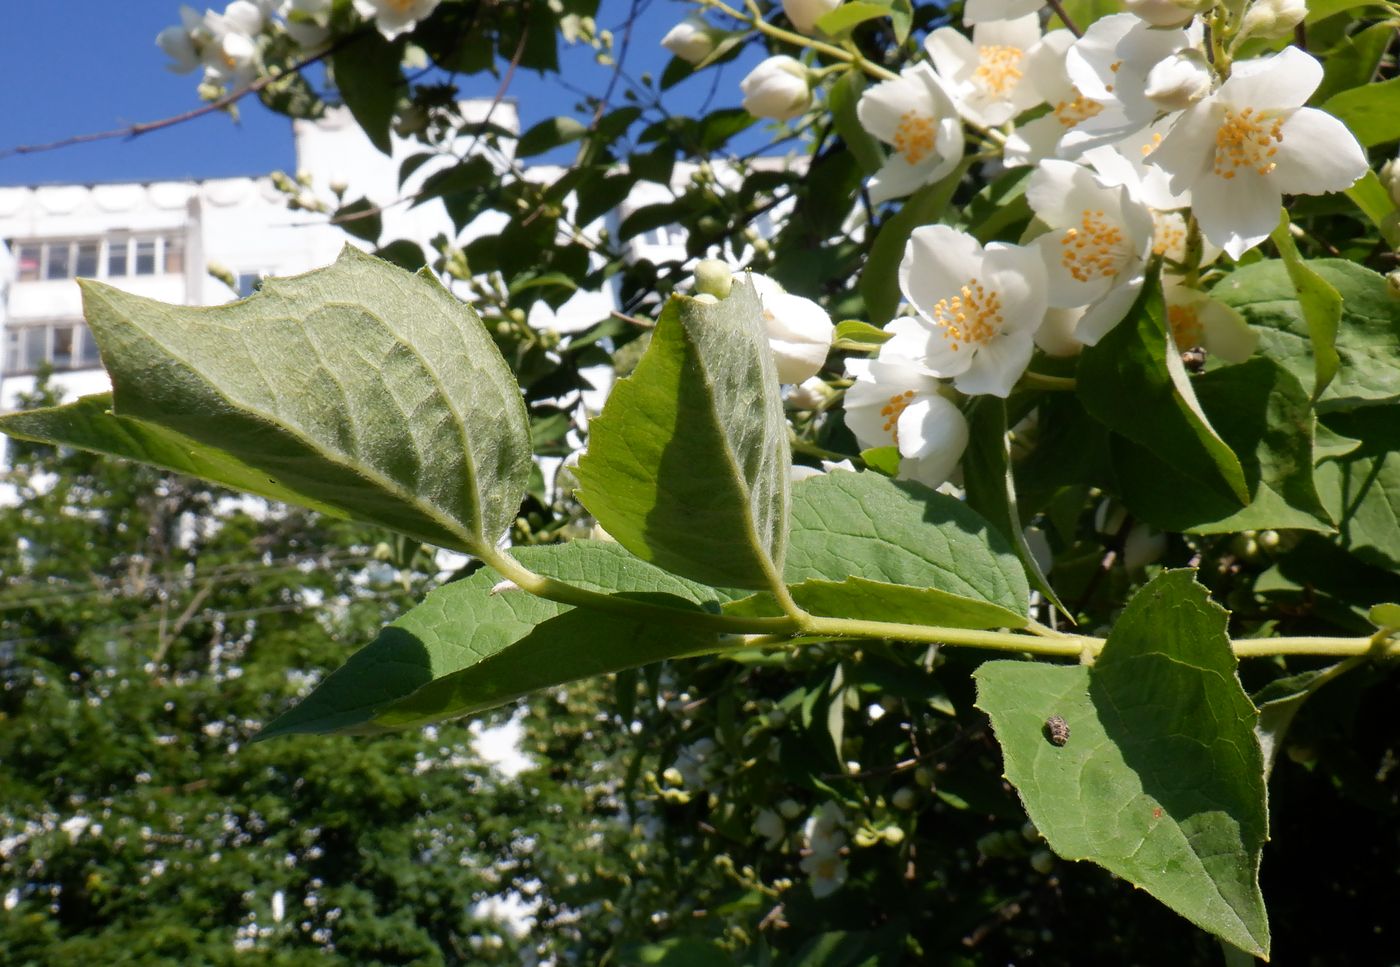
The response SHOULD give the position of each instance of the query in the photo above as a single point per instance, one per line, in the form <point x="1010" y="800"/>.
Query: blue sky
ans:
<point x="76" y="66"/>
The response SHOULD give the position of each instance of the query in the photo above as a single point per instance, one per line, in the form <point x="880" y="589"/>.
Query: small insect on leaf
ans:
<point x="1056" y="730"/>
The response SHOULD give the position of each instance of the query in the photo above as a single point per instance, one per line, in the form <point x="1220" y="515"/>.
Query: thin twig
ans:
<point x="146" y="127"/>
<point x="1065" y="18"/>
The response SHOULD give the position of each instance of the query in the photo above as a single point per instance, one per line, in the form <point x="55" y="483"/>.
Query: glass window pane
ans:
<point x="59" y="266"/>
<point x="62" y="356"/>
<point x="146" y="256"/>
<point x="35" y="346"/>
<point x="88" y="356"/>
<point x="175" y="255"/>
<point x="28" y="263"/>
<point x="12" y="353"/>
<point x="116" y="257"/>
<point x="248" y="283"/>
<point x="86" y="266"/>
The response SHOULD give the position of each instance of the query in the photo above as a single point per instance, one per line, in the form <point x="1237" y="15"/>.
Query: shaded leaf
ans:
<point x="369" y="80"/>
<point x="1320" y="303"/>
<point x="1369" y="111"/>
<point x="470" y="646"/>
<point x="1162" y="779"/>
<point x="687" y="466"/>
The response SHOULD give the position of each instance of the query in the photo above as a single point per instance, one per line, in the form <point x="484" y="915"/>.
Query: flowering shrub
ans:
<point x="1094" y="383"/>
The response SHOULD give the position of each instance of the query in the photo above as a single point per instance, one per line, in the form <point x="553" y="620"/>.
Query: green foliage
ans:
<point x="1160" y="779"/>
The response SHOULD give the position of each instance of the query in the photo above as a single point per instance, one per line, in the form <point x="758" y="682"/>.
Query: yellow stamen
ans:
<point x="1247" y="140"/>
<point x="1070" y="113"/>
<point x="999" y="67"/>
<point x="915" y="136"/>
<point x="891" y="411"/>
<point x="1093" y="249"/>
<point x="1186" y="325"/>
<point x="971" y="316"/>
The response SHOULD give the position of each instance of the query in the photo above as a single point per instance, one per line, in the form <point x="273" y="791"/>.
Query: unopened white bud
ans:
<point x="777" y="89"/>
<point x="714" y="277"/>
<point x="1273" y="18"/>
<point x="1166" y="13"/>
<point x="903" y="798"/>
<point x="1142" y="547"/>
<point x="692" y="40"/>
<point x="1180" y="80"/>
<point x="804" y="14"/>
<point x="1390" y="177"/>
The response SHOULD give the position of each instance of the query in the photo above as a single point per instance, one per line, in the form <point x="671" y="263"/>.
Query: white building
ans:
<point x="159" y="239"/>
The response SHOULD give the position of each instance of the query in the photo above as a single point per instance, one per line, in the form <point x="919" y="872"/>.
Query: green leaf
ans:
<point x="879" y="282"/>
<point x="549" y="134"/>
<point x="999" y="210"/>
<point x="861" y="334"/>
<point x="1362" y="489"/>
<point x="991" y="488"/>
<point x="865" y="546"/>
<point x="1161" y="781"/>
<point x="851" y="14"/>
<point x="843" y="99"/>
<point x="1369" y="111"/>
<point x="1321" y="305"/>
<point x="369" y="80"/>
<point x="361" y="218"/>
<point x="89" y="424"/>
<point x="471" y="646"/>
<point x="1263" y="413"/>
<point x="883" y="460"/>
<point x="1133" y="382"/>
<point x="1375" y="203"/>
<point x="1280" y="700"/>
<point x="358" y="387"/>
<point x="688" y="464"/>
<point x="1368" y="341"/>
<point x="1385" y="616"/>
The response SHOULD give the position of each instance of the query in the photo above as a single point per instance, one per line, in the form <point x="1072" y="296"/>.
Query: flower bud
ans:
<point x="1042" y="861"/>
<point x="903" y="798"/>
<point x="804" y="14"/>
<point x="1273" y="18"/>
<point x="1167" y="13"/>
<point x="790" y="808"/>
<point x="799" y="330"/>
<point x="1180" y="80"/>
<point x="808" y="395"/>
<point x="777" y="89"/>
<point x="692" y="40"/>
<point x="1392" y="282"/>
<point x="714" y="277"/>
<point x="1390" y="177"/>
<point x="1142" y="547"/>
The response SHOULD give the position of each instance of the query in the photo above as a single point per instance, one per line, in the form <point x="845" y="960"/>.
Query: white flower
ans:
<point x="279" y="906"/>
<point x="227" y="43"/>
<point x="1143" y="546"/>
<point x="1047" y="74"/>
<point x="692" y="40"/>
<point x="823" y="828"/>
<point x="1056" y="334"/>
<point x="986" y="75"/>
<point x="1096" y="250"/>
<point x="1198" y="321"/>
<point x="827" y="872"/>
<point x="1110" y="64"/>
<point x="893" y="402"/>
<point x="977" y="308"/>
<point x="913" y="114"/>
<point x="307" y="21"/>
<point x="1179" y="80"/>
<point x="769" y="825"/>
<point x="182" y="43"/>
<point x="1251" y="142"/>
<point x="394" y="17"/>
<point x="777" y="89"/>
<point x="799" y="330"/>
<point x="982" y="11"/>
<point x="804" y="14"/>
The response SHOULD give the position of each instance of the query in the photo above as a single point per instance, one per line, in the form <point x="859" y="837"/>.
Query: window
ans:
<point x="174" y="255"/>
<point x="58" y="265"/>
<point x="64" y="345"/>
<point x="29" y="257"/>
<point x="116" y="258"/>
<point x="248" y="283"/>
<point x="86" y="265"/>
<point x="145" y="256"/>
<point x="83" y="258"/>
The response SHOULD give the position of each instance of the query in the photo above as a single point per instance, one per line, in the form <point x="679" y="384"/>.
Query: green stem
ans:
<point x="1031" y="380"/>
<point x="755" y="19"/>
<point x="763" y="632"/>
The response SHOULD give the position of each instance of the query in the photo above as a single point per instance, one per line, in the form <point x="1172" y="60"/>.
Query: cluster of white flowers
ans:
<point x="822" y="858"/>
<point x="1145" y="144"/>
<point x="229" y="45"/>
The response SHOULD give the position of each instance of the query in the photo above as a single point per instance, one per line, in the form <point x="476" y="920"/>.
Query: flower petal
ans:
<point x="1317" y="154"/>
<point x="997" y="366"/>
<point x="1284" y="80"/>
<point x="1239" y="213"/>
